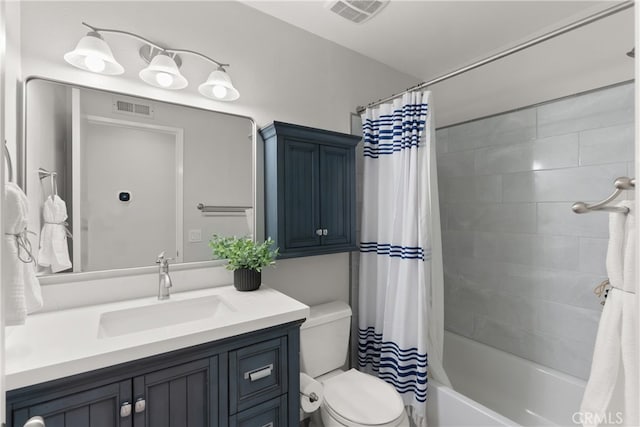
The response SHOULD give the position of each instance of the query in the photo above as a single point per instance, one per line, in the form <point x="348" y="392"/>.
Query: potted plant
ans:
<point x="245" y="257"/>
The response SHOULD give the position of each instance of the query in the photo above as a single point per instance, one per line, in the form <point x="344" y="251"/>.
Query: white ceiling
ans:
<point x="430" y="38"/>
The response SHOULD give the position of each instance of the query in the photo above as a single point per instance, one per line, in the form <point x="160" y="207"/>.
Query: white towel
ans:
<point x="22" y="293"/>
<point x="54" y="251"/>
<point x="612" y="390"/>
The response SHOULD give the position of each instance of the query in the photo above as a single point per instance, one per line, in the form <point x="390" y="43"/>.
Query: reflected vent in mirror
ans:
<point x="131" y="108"/>
<point x="357" y="11"/>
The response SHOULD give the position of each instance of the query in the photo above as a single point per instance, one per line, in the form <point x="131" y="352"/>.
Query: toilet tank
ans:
<point x="324" y="338"/>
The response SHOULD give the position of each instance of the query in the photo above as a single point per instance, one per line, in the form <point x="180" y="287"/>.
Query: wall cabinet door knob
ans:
<point x="325" y="232"/>
<point x="125" y="409"/>
<point x="35" y="422"/>
<point x="319" y="232"/>
<point x="140" y="405"/>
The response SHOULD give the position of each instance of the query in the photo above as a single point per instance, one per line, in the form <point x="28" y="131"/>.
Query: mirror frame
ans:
<point x="257" y="188"/>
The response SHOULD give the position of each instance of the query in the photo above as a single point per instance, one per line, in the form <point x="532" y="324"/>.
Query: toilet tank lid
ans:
<point x="327" y="312"/>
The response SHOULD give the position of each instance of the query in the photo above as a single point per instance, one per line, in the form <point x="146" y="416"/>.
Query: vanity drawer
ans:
<point x="272" y="413"/>
<point x="257" y="373"/>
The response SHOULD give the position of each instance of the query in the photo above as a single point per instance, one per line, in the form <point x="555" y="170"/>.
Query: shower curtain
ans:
<point x="401" y="310"/>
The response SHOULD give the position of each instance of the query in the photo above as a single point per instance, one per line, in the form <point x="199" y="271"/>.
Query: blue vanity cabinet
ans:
<point x="309" y="189"/>
<point x="95" y="407"/>
<point x="179" y="396"/>
<point x="250" y="380"/>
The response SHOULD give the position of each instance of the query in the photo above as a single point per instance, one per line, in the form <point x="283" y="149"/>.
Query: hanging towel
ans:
<point x="22" y="293"/>
<point x="611" y="394"/>
<point x="54" y="251"/>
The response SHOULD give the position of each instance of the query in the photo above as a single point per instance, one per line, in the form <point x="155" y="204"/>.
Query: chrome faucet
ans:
<point x="164" y="281"/>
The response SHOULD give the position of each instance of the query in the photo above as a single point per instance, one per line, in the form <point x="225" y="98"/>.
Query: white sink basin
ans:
<point x="160" y="315"/>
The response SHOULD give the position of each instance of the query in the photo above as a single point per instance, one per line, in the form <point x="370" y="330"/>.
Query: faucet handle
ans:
<point x="162" y="260"/>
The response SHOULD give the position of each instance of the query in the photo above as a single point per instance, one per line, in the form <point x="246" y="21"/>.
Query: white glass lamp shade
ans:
<point x="93" y="54"/>
<point x="219" y="87"/>
<point x="163" y="72"/>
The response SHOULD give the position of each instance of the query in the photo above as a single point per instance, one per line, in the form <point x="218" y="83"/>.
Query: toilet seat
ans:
<point x="357" y="399"/>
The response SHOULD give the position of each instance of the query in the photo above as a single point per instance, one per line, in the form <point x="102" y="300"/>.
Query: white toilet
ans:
<point x="351" y="398"/>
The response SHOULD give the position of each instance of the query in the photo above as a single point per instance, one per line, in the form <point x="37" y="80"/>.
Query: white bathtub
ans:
<point x="494" y="388"/>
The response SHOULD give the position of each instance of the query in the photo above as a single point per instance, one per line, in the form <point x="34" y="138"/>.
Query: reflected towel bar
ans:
<point x="43" y="173"/>
<point x="621" y="184"/>
<point x="206" y="208"/>
<point x="7" y="158"/>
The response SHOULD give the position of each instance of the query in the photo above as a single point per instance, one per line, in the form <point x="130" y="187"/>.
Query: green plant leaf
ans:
<point x="242" y="252"/>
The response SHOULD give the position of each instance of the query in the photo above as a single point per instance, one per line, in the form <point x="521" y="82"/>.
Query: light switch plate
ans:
<point x="195" y="236"/>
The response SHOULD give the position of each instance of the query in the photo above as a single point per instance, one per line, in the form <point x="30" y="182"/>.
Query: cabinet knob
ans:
<point x="141" y="404"/>
<point x="319" y="232"/>
<point x="35" y="422"/>
<point x="125" y="409"/>
<point x="325" y="232"/>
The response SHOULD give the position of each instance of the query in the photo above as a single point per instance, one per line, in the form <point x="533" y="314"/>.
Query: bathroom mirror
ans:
<point x="138" y="176"/>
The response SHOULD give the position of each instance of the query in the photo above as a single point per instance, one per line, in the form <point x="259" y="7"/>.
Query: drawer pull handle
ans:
<point x="259" y="373"/>
<point x="125" y="409"/>
<point x="36" y="422"/>
<point x="268" y="424"/>
<point x="141" y="404"/>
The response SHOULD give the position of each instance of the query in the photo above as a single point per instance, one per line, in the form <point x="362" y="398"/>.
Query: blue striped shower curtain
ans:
<point x="401" y="308"/>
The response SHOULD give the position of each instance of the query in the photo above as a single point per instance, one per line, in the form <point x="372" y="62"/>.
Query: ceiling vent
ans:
<point x="357" y="11"/>
<point x="131" y="108"/>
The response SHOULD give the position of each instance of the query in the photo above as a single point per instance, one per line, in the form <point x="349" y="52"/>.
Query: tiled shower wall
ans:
<point x="520" y="266"/>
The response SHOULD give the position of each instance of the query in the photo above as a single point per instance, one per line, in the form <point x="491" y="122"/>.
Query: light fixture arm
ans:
<point x="154" y="45"/>
<point x="191" y="52"/>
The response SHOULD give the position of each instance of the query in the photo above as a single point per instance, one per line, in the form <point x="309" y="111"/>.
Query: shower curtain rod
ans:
<point x="562" y="30"/>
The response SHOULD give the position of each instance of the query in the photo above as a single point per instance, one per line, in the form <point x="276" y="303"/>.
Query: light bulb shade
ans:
<point x="163" y="72"/>
<point x="94" y="54"/>
<point x="219" y="87"/>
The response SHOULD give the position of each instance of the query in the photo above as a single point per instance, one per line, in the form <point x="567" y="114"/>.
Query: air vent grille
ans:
<point x="357" y="11"/>
<point x="132" y="108"/>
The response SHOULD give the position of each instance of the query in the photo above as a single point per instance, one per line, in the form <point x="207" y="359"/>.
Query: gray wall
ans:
<point x="520" y="266"/>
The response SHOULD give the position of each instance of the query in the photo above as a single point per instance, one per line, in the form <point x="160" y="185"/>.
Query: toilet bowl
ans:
<point x="356" y="399"/>
<point x="351" y="398"/>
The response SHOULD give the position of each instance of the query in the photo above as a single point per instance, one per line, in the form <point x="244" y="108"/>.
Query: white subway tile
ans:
<point x="607" y="145"/>
<point x="442" y="136"/>
<point x="558" y="219"/>
<point x="486" y="188"/>
<point x="593" y="254"/>
<point x="528" y="249"/>
<point x="566" y="322"/>
<point x="547" y="153"/>
<point x="456" y="164"/>
<point x="587" y="183"/>
<point x="609" y="107"/>
<point x="514" y="217"/>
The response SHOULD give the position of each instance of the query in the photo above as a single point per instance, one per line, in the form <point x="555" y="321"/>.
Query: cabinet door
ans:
<point x="181" y="396"/>
<point x="98" y="407"/>
<point x="302" y="216"/>
<point x="337" y="195"/>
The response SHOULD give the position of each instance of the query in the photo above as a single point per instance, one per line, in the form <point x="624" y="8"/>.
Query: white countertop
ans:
<point x="67" y="342"/>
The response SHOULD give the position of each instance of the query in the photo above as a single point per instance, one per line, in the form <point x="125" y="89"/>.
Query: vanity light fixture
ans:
<point x="219" y="86"/>
<point x="93" y="54"/>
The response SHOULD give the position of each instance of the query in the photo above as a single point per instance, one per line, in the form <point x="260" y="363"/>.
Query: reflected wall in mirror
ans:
<point x="132" y="172"/>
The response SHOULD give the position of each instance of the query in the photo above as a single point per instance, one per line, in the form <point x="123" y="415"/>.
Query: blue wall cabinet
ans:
<point x="309" y="189"/>
<point x="250" y="380"/>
